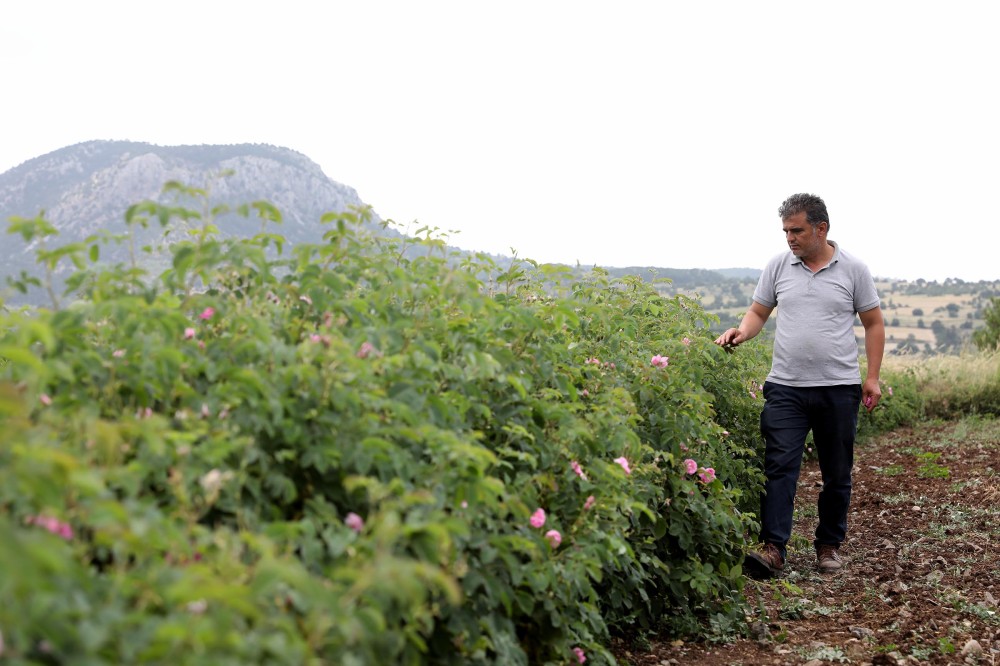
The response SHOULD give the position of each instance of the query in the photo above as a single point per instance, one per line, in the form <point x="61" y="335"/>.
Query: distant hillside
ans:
<point x="740" y="273"/>
<point x="684" y="278"/>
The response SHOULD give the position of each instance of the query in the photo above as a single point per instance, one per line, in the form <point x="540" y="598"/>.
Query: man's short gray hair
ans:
<point x="812" y="205"/>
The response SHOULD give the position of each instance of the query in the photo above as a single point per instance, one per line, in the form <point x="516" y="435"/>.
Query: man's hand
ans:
<point x="874" y="324"/>
<point x="870" y="394"/>
<point x="731" y="338"/>
<point x="752" y="322"/>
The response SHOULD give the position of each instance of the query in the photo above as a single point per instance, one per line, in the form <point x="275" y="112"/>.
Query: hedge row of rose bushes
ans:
<point x="347" y="453"/>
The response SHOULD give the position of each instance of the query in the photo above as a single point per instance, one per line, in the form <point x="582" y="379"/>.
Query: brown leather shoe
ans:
<point x="764" y="563"/>
<point x="828" y="559"/>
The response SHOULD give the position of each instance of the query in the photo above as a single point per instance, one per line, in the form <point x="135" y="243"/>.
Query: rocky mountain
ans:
<point x="87" y="187"/>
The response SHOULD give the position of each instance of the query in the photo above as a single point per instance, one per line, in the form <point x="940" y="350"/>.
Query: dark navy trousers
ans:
<point x="789" y="413"/>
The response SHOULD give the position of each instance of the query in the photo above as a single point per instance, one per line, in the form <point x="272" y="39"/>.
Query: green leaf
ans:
<point x="267" y="211"/>
<point x="21" y="356"/>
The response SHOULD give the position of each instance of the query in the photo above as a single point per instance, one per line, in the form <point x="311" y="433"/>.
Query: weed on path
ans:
<point x="922" y="579"/>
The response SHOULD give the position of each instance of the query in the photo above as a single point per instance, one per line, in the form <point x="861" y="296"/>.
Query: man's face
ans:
<point x="805" y="240"/>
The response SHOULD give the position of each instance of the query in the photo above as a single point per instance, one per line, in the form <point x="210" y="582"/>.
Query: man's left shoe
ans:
<point x="828" y="559"/>
<point x="764" y="563"/>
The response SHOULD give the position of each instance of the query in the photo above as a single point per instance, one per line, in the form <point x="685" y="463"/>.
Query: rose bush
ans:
<point x="365" y="451"/>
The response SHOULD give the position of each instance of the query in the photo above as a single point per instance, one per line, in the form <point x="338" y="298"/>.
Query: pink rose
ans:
<point x="707" y="475"/>
<point x="623" y="461"/>
<point x="365" y="350"/>
<point x="690" y="466"/>
<point x="660" y="361"/>
<point x="207" y="314"/>
<point x="554" y="538"/>
<point x="589" y="504"/>
<point x="579" y="654"/>
<point x="538" y="518"/>
<point x="354" y="521"/>
<point x="53" y="525"/>
<point x="578" y="470"/>
<point x="188" y="333"/>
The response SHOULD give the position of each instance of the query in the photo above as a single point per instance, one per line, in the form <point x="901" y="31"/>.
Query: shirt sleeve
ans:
<point x="765" y="293"/>
<point x="865" y="295"/>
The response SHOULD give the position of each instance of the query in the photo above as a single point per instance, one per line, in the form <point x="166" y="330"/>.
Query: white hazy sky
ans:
<point x="626" y="133"/>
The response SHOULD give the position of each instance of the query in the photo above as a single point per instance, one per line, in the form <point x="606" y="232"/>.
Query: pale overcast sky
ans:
<point x="625" y="133"/>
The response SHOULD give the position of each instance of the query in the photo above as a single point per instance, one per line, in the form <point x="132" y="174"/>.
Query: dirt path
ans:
<point x="922" y="580"/>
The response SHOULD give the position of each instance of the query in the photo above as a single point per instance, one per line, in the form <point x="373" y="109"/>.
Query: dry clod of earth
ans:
<point x="921" y="581"/>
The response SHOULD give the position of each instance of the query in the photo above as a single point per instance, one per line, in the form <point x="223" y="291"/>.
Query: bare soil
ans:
<point x="921" y="581"/>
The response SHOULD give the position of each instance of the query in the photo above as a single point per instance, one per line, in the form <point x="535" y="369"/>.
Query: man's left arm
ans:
<point x="874" y="325"/>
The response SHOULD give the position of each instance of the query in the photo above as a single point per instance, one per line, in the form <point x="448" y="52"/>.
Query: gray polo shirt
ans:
<point x="814" y="344"/>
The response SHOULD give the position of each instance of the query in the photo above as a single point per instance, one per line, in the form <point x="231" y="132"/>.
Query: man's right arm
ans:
<point x="749" y="327"/>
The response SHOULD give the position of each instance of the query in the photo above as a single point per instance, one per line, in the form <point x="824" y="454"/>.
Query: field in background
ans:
<point x="921" y="317"/>
<point x="940" y="375"/>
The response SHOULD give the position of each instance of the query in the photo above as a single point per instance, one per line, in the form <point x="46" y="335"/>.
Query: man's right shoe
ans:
<point x="828" y="559"/>
<point x="764" y="563"/>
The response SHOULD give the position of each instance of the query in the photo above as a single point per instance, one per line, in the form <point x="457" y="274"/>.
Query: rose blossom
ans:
<point x="690" y="466"/>
<point x="53" y="525"/>
<point x="660" y="361"/>
<point x="354" y="521"/>
<point x="623" y="461"/>
<point x="538" y="518"/>
<point x="554" y="538"/>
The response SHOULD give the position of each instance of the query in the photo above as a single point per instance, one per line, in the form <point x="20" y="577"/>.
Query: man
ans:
<point x="815" y="381"/>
